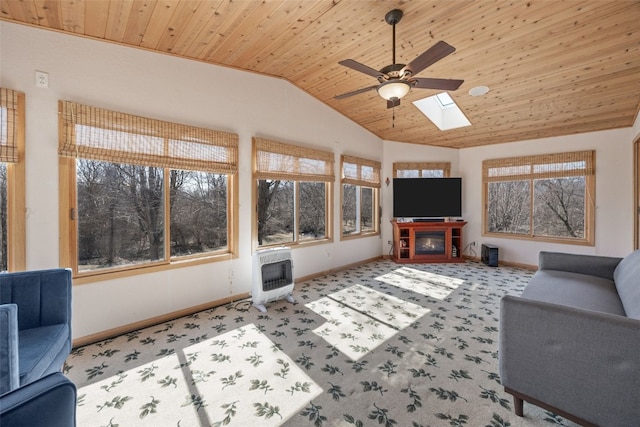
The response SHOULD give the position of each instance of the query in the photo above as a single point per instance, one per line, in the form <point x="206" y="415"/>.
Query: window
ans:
<point x="142" y="192"/>
<point x="12" y="181"/>
<point x="294" y="187"/>
<point x="422" y="170"/>
<point x="360" y="195"/>
<point x="548" y="197"/>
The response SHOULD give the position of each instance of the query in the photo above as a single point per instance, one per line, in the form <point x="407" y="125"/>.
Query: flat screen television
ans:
<point x="427" y="197"/>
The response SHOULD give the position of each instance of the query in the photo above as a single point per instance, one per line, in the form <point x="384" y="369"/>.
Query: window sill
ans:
<point x="359" y="235"/>
<point x="294" y="245"/>
<point x="545" y="239"/>
<point x="103" y="275"/>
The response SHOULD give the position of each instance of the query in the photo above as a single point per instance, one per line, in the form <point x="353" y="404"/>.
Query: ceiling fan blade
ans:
<point x="354" y="65"/>
<point x="432" y="55"/>
<point x="393" y="102"/>
<point x="355" y="92"/>
<point x="442" y="84"/>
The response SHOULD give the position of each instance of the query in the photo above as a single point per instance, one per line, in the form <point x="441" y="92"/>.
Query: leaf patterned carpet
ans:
<point x="378" y="345"/>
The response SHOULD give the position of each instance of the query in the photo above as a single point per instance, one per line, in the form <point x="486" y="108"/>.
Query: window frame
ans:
<point x="68" y="193"/>
<point x="361" y="181"/>
<point x="14" y="102"/>
<point x="444" y="167"/>
<point x="517" y="163"/>
<point x="296" y="172"/>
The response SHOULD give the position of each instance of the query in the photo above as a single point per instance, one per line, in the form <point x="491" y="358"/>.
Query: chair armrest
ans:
<point x="50" y="402"/>
<point x="593" y="265"/>
<point x="581" y="361"/>
<point x="9" y="368"/>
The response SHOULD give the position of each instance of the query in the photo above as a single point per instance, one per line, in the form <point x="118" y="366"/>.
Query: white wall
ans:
<point x="167" y="88"/>
<point x="614" y="193"/>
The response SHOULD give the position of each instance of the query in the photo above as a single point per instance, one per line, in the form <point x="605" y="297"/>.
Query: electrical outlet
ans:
<point x="473" y="243"/>
<point x="42" y="79"/>
<point x="388" y="242"/>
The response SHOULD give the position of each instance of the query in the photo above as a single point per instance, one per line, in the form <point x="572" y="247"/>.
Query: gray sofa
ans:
<point x="571" y="342"/>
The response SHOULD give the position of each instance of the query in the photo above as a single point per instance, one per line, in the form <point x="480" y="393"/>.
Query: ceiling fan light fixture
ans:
<point x="394" y="89"/>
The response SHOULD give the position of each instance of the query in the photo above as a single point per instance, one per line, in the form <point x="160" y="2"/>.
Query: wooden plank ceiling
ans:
<point x="553" y="67"/>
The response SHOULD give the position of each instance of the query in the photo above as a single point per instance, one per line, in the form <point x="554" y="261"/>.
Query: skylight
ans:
<point x="443" y="111"/>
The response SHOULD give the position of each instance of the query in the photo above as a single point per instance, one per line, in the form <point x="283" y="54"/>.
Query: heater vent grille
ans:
<point x="276" y="275"/>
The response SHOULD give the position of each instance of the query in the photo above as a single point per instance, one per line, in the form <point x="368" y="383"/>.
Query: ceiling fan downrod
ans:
<point x="392" y="18"/>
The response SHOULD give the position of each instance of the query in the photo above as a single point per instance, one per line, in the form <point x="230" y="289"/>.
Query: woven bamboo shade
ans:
<point x="358" y="171"/>
<point x="277" y="160"/>
<point x="421" y="169"/>
<point x="99" y="134"/>
<point x="545" y="166"/>
<point x="8" y="125"/>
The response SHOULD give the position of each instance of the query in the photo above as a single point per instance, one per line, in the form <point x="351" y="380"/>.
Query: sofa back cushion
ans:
<point x="627" y="278"/>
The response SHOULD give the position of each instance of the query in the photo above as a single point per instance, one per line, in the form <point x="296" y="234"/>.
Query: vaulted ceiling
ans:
<point x="553" y="67"/>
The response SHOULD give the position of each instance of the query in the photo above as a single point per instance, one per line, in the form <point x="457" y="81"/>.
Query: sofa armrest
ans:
<point x="50" y="402"/>
<point x="580" y="361"/>
<point x="9" y="368"/>
<point x="593" y="265"/>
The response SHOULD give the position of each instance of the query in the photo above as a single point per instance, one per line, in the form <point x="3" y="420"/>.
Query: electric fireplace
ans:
<point x="430" y="242"/>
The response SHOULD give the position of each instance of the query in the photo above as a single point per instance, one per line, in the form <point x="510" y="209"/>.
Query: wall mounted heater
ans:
<point x="272" y="277"/>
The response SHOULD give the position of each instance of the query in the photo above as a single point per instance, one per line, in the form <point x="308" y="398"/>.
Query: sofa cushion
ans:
<point x="38" y="348"/>
<point x="627" y="278"/>
<point x="575" y="290"/>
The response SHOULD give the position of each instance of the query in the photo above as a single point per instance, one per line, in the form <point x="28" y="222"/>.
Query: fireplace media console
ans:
<point x="427" y="241"/>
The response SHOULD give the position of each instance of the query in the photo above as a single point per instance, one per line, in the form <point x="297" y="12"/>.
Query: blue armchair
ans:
<point x="35" y="340"/>
<point x="49" y="401"/>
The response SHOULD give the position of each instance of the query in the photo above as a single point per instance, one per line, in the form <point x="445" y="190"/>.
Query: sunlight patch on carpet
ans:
<point x="423" y="282"/>
<point x="237" y="378"/>
<point x="359" y="319"/>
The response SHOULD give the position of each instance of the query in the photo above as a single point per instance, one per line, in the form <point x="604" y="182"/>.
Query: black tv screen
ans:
<point x="427" y="197"/>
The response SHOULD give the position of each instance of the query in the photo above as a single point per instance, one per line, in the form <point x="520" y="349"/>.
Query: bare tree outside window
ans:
<point x="120" y="214"/>
<point x="275" y="212"/>
<point x="199" y="210"/>
<point x="281" y="220"/>
<point x="366" y="211"/>
<point x="357" y="209"/>
<point x="312" y="211"/>
<point x="559" y="207"/>
<point x="509" y="207"/>
<point x="349" y="209"/>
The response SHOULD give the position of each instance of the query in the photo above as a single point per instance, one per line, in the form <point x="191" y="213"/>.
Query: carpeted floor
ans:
<point x="378" y="345"/>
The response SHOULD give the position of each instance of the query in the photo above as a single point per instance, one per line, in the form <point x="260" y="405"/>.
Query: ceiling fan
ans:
<point x="396" y="80"/>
